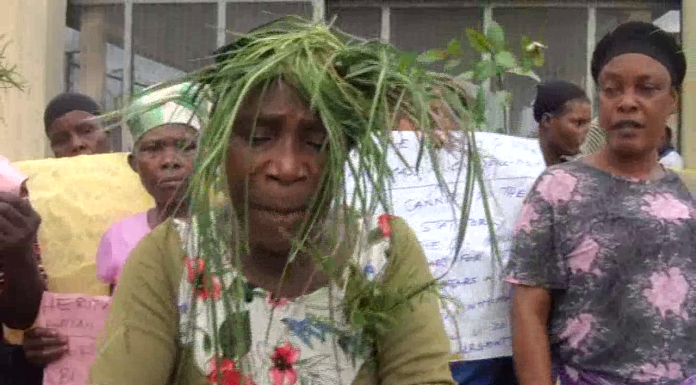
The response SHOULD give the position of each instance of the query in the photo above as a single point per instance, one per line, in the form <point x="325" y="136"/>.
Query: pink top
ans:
<point x="117" y="243"/>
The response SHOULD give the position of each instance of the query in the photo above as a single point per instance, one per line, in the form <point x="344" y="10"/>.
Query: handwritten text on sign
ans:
<point x="81" y="319"/>
<point x="479" y="328"/>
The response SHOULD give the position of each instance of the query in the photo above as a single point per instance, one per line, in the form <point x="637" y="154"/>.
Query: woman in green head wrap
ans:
<point x="287" y="284"/>
<point x="165" y="128"/>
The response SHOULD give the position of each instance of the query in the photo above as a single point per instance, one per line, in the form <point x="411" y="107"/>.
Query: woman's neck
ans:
<point x="551" y="157"/>
<point x="638" y="167"/>
<point x="161" y="212"/>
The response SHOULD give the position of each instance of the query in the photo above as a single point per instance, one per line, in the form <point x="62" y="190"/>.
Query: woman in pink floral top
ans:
<point x="603" y="261"/>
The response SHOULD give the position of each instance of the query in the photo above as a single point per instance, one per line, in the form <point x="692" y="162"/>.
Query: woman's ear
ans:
<point x="674" y="107"/>
<point x="132" y="162"/>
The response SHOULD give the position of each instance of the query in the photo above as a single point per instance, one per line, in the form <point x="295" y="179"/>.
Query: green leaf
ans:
<point x="538" y="61"/>
<point x="524" y="72"/>
<point x="505" y="59"/>
<point x="207" y="344"/>
<point x="451" y="64"/>
<point x="432" y="56"/>
<point x="496" y="36"/>
<point x="535" y="51"/>
<point x="480" y="115"/>
<point x="407" y="60"/>
<point x="503" y="98"/>
<point x="478" y="41"/>
<point x="234" y="335"/>
<point x="485" y="69"/>
<point x="466" y="76"/>
<point x="526" y="41"/>
<point x="454" y="49"/>
<point x="358" y="319"/>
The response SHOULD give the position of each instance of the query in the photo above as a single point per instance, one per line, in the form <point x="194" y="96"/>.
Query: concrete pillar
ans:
<point x="92" y="78"/>
<point x="688" y="95"/>
<point x="35" y="31"/>
<point x="688" y="134"/>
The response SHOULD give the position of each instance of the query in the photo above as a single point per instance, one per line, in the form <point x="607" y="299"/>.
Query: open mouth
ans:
<point x="170" y="182"/>
<point x="281" y="214"/>
<point x="626" y="125"/>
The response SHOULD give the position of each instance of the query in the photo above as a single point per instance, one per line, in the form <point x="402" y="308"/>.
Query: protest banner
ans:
<point x="479" y="327"/>
<point x="81" y="319"/>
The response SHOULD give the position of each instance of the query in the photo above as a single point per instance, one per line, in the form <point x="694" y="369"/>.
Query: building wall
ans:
<point x="31" y="28"/>
<point x="688" y="132"/>
<point x="180" y="36"/>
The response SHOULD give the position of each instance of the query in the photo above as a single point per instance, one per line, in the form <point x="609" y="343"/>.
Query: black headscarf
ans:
<point x="68" y="102"/>
<point x="645" y="39"/>
<point x="553" y="95"/>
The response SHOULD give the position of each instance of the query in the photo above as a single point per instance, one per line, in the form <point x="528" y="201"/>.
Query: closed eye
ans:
<point x="259" y="140"/>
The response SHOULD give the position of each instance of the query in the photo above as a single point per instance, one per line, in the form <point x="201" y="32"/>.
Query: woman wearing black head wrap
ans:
<point x="604" y="256"/>
<point x="563" y="112"/>
<point x="71" y="127"/>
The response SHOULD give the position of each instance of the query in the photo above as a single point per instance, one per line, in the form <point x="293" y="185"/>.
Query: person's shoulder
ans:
<point x="562" y="171"/>
<point x="127" y="223"/>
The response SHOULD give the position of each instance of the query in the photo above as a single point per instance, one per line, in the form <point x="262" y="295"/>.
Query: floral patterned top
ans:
<point x="145" y="342"/>
<point x="619" y="257"/>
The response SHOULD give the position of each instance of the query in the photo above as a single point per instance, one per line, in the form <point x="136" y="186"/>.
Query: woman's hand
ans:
<point x="18" y="223"/>
<point x="43" y="346"/>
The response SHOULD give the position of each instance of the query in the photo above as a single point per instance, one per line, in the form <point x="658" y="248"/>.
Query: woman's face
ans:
<point x="282" y="160"/>
<point x="568" y="131"/>
<point x="635" y="99"/>
<point x="163" y="158"/>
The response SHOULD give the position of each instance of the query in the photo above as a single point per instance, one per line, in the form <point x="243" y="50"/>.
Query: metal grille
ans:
<point x="171" y="37"/>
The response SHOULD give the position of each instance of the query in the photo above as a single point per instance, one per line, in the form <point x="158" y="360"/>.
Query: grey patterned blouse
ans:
<point x="619" y="256"/>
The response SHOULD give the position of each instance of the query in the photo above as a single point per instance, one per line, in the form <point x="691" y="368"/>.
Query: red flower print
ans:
<point x="204" y="292"/>
<point x="229" y="375"/>
<point x="275" y="303"/>
<point x="384" y="222"/>
<point x="195" y="267"/>
<point x="284" y="358"/>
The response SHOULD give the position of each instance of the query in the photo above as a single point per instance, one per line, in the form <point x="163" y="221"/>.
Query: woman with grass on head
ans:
<point x="165" y="128"/>
<point x="295" y="280"/>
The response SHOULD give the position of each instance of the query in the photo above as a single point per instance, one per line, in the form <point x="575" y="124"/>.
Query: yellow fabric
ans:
<point x="142" y="332"/>
<point x="78" y="199"/>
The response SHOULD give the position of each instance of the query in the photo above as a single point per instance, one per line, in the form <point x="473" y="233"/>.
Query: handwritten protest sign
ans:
<point x="480" y="327"/>
<point x="81" y="319"/>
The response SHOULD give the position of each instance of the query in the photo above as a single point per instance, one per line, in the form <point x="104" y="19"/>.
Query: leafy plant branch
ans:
<point x="497" y="61"/>
<point x="8" y="73"/>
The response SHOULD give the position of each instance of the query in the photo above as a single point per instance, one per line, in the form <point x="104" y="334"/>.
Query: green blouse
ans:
<point x="142" y="345"/>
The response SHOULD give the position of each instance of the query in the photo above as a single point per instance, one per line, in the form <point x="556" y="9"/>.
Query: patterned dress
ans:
<point x="619" y="257"/>
<point x="300" y="341"/>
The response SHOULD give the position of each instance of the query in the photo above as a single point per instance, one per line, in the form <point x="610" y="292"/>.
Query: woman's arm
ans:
<point x="417" y="351"/>
<point x="20" y="294"/>
<point x="531" y="307"/>
<point x="536" y="267"/>
<point x="140" y="342"/>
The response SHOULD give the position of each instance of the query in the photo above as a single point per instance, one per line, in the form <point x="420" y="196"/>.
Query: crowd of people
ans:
<point x="600" y="270"/>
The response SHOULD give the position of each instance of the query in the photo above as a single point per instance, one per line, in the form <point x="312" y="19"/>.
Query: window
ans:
<point x="420" y="29"/>
<point x="243" y="17"/>
<point x="564" y="32"/>
<point x="363" y="22"/>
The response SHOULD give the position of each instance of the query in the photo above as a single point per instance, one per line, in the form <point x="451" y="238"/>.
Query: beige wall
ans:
<point x="688" y="143"/>
<point x="35" y="31"/>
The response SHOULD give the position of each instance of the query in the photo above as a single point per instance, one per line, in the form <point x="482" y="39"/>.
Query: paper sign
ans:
<point x="479" y="329"/>
<point x="81" y="318"/>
